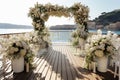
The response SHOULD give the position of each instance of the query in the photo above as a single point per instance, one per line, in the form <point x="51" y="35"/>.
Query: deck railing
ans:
<point x="60" y="35"/>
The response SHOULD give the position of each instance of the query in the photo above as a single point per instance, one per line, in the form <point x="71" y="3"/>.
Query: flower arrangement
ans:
<point x="18" y="49"/>
<point x="38" y="39"/>
<point x="99" y="46"/>
<point x="41" y="13"/>
<point x="29" y="58"/>
<point x="35" y="38"/>
<point x="79" y="35"/>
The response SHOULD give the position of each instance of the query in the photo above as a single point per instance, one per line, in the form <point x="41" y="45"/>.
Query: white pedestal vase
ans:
<point x="102" y="64"/>
<point x="18" y="65"/>
<point x="81" y="43"/>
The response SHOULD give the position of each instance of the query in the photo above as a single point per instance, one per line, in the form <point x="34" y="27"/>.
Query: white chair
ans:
<point x="117" y="64"/>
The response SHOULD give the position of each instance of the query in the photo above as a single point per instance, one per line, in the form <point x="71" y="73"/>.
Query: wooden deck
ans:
<point x="59" y="64"/>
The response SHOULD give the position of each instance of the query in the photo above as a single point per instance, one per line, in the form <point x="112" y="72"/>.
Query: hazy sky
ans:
<point x="16" y="11"/>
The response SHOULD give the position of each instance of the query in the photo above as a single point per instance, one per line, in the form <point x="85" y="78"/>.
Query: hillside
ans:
<point x="62" y="27"/>
<point x="13" y="26"/>
<point x="108" y="18"/>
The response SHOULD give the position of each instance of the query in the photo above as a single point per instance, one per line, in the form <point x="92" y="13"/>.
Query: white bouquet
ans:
<point x="17" y="49"/>
<point x="100" y="45"/>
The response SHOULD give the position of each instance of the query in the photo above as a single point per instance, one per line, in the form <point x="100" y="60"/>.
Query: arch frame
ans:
<point x="40" y="14"/>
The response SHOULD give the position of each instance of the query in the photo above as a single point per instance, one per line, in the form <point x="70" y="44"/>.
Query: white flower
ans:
<point x="99" y="32"/>
<point x="109" y="48"/>
<point x="11" y="51"/>
<point x="34" y="39"/>
<point x="102" y="46"/>
<point x="92" y="49"/>
<point x="23" y="52"/>
<point x="99" y="53"/>
<point x="18" y="44"/>
<point x="15" y="49"/>
<point x="87" y="46"/>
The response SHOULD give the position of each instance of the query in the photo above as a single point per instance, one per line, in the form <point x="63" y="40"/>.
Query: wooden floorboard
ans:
<point x="69" y="71"/>
<point x="54" y="69"/>
<point x="59" y="63"/>
<point x="59" y="72"/>
<point x="36" y="74"/>
<point x="48" y="76"/>
<point x="64" y="70"/>
<point x="73" y="71"/>
<point x="44" y="73"/>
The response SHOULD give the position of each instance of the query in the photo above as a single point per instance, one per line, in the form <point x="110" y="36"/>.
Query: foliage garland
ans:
<point x="40" y="14"/>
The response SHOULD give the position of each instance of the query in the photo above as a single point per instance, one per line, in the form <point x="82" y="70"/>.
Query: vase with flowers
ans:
<point x="98" y="48"/>
<point x="16" y="52"/>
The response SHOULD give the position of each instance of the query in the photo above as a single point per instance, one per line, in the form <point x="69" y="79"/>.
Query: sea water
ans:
<point x="65" y="35"/>
<point x="55" y="35"/>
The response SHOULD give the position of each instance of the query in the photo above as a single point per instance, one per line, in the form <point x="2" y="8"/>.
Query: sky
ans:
<point x="16" y="11"/>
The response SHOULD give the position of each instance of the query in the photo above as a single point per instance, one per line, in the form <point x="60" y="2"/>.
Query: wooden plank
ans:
<point x="36" y="62"/>
<point x="55" y="67"/>
<point x="38" y="75"/>
<point x="38" y="67"/>
<point x="69" y="74"/>
<point x="44" y="65"/>
<point x="64" y="72"/>
<point x="72" y="67"/>
<point x="74" y="72"/>
<point x="81" y="72"/>
<point x="59" y="73"/>
<point x="44" y="73"/>
<point x="48" y="76"/>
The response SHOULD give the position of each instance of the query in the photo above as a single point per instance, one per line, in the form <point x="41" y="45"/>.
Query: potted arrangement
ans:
<point x="39" y="42"/>
<point x="98" y="48"/>
<point x="79" y="36"/>
<point x="16" y="52"/>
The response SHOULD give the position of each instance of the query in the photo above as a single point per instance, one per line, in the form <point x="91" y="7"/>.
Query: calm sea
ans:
<point x="7" y="31"/>
<point x="56" y="35"/>
<point x="65" y="35"/>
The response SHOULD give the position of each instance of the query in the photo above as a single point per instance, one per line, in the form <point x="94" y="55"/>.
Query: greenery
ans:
<point x="18" y="49"/>
<point x="99" y="46"/>
<point x="80" y="33"/>
<point x="29" y="57"/>
<point x="40" y="14"/>
<point x="107" y="18"/>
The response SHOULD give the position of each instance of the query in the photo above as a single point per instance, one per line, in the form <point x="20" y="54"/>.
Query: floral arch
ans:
<point x="40" y="14"/>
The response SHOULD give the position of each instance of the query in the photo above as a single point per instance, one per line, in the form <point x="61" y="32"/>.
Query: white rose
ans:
<point x="23" y="52"/>
<point x="87" y="46"/>
<point x="115" y="36"/>
<point x="11" y="51"/>
<point x="15" y="49"/>
<point x="99" y="53"/>
<point x="25" y="45"/>
<point x="18" y="44"/>
<point x="102" y="46"/>
<point x="99" y="32"/>
<point x="34" y="39"/>
<point x="109" y="48"/>
<point x="91" y="49"/>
